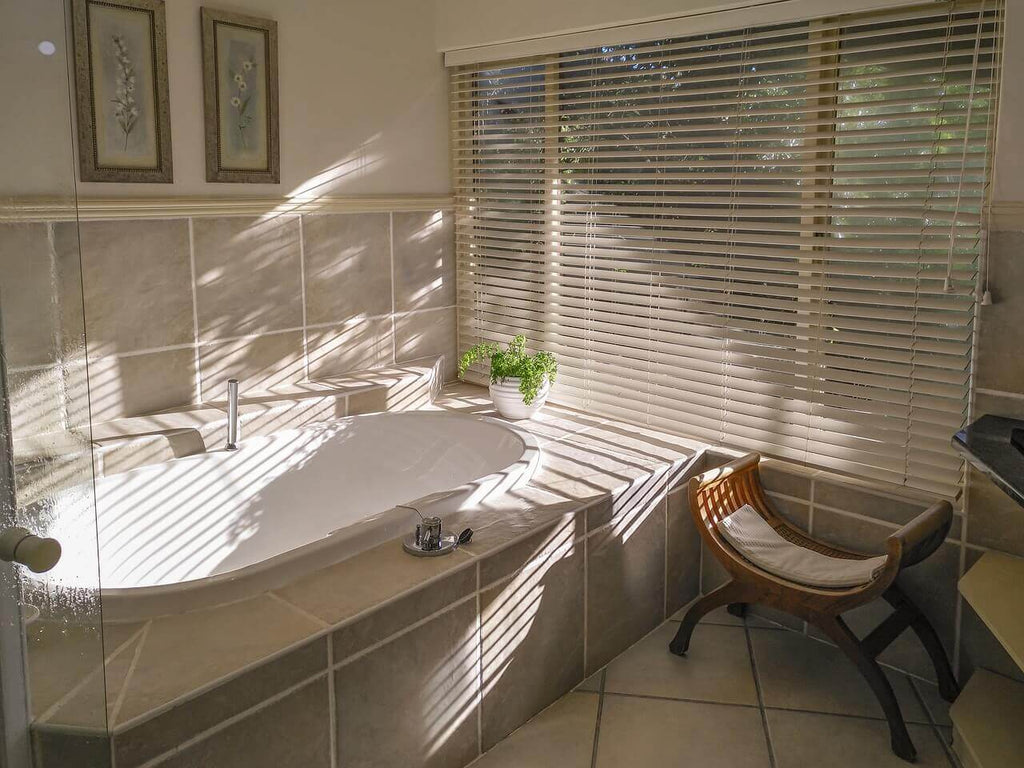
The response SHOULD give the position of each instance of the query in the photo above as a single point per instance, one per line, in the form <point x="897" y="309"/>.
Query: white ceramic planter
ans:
<point x="509" y="400"/>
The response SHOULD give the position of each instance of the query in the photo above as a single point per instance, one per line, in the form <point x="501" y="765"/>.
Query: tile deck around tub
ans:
<point x="730" y="703"/>
<point x="190" y="657"/>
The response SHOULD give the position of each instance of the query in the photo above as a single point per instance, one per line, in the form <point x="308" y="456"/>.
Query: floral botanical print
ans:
<point x="244" y="79"/>
<point x="126" y="110"/>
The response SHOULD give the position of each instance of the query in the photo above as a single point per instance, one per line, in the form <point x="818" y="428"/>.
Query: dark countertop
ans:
<point x="986" y="444"/>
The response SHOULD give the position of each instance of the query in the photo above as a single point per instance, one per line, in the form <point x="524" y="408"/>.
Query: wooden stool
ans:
<point x="718" y="493"/>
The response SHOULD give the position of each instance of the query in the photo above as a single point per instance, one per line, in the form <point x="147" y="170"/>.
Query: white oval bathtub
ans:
<point x="220" y="526"/>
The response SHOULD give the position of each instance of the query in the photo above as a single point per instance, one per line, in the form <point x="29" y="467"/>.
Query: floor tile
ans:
<point x="797" y="672"/>
<point x="562" y="736"/>
<point x="801" y="739"/>
<point x="716" y="668"/>
<point x="933" y="702"/>
<point x="642" y="733"/>
<point x="723" y="617"/>
<point x="717" y="616"/>
<point x="592" y="683"/>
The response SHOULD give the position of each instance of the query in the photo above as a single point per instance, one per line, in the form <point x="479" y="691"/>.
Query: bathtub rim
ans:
<point x="132" y="604"/>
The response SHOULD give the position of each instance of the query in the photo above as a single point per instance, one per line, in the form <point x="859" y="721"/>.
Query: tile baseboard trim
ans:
<point x="107" y="209"/>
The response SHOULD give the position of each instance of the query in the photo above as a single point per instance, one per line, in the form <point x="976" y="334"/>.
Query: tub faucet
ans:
<point x="232" y="415"/>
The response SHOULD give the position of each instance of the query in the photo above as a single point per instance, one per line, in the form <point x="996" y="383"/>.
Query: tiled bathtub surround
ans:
<point x="385" y="659"/>
<point x="175" y="307"/>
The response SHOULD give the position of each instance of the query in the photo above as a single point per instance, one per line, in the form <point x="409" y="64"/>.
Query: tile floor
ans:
<point x="749" y="694"/>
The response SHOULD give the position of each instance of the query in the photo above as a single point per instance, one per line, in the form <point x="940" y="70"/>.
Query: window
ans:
<point x="766" y="238"/>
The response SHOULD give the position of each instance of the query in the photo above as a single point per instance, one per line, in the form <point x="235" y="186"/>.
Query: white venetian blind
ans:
<point x="765" y="238"/>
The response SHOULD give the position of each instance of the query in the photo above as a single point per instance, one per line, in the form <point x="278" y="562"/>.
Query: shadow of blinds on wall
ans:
<point x="766" y="238"/>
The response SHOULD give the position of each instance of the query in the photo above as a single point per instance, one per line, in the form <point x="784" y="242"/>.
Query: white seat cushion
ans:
<point x="758" y="542"/>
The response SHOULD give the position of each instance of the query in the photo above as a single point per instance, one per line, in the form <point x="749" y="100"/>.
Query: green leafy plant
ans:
<point x="514" y="363"/>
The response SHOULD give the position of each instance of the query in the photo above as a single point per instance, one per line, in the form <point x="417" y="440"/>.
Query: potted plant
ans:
<point x="520" y="382"/>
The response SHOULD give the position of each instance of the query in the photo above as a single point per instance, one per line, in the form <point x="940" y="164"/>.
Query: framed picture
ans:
<point x="124" y="121"/>
<point x="240" y="98"/>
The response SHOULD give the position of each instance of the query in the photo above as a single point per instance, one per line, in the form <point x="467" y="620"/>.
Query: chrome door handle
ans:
<point x="20" y="545"/>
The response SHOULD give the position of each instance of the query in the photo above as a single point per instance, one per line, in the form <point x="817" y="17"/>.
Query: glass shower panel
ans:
<point x="49" y="447"/>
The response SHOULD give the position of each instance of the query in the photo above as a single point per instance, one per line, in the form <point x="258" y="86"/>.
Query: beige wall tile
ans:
<point x="294" y="730"/>
<point x="995" y="520"/>
<point x="347" y="266"/>
<point x="187" y="651"/>
<point x="354" y="346"/>
<point x="372" y="576"/>
<point x="53" y="749"/>
<point x="424" y="243"/>
<point x="248" y="275"/>
<point x="258" y="363"/>
<point x="141" y="384"/>
<point x="137" y="281"/>
<point x="931" y="584"/>
<point x="393" y="617"/>
<point x="427" y="334"/>
<point x="532" y="634"/>
<point x="626" y="583"/>
<point x="36" y="399"/>
<point x="413" y="701"/>
<point x="683" y="545"/>
<point x="40" y="317"/>
<point x="998" y="361"/>
<point x="181" y="723"/>
<point x="774" y="478"/>
<point x="850" y="498"/>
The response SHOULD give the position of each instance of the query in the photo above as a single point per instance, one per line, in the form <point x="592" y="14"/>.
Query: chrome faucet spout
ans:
<point x="232" y="444"/>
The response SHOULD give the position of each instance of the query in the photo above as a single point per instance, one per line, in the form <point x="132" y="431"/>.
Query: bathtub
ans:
<point x="220" y="526"/>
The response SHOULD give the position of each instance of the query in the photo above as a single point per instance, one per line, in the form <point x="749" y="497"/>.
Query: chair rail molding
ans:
<point x="105" y="209"/>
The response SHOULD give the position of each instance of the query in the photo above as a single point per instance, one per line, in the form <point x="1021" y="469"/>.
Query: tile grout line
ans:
<point x="302" y="290"/>
<point x="480" y="669"/>
<point x="228" y="722"/>
<point x="946" y="748"/>
<point x="80" y="686"/>
<point x="332" y="705"/>
<point x="597" y="722"/>
<point x="320" y="623"/>
<point x="281" y="652"/>
<point x="123" y="693"/>
<point x="391" y="257"/>
<point x="760" y="695"/>
<point x="198" y="345"/>
<point x="195" y="308"/>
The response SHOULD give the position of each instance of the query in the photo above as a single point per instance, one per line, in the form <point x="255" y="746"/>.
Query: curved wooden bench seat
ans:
<point x="717" y="493"/>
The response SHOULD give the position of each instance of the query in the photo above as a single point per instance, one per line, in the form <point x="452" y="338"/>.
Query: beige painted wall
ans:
<point x="467" y="23"/>
<point x="363" y="101"/>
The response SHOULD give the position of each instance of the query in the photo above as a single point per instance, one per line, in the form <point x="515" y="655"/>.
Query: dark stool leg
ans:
<point x="739" y="610"/>
<point x="841" y="635"/>
<point x="725" y="594"/>
<point x="948" y="686"/>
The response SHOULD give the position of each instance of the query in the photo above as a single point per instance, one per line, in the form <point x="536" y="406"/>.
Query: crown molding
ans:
<point x="101" y="209"/>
